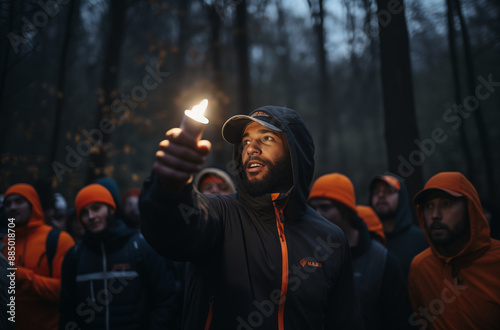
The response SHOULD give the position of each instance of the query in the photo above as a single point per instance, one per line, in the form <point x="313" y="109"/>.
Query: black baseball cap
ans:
<point x="233" y="128"/>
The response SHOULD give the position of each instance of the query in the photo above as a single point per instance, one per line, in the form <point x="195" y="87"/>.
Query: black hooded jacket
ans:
<point x="257" y="263"/>
<point x="381" y="288"/>
<point x="115" y="280"/>
<point x="406" y="239"/>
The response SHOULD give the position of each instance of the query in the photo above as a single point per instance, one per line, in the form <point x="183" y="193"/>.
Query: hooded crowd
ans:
<point x="257" y="243"/>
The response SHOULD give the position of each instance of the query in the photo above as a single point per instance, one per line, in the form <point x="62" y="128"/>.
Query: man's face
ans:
<point x="94" y="216"/>
<point x="330" y="210"/>
<point x="216" y="187"/>
<point x="266" y="161"/>
<point x="131" y="206"/>
<point x="18" y="207"/>
<point x="384" y="200"/>
<point x="446" y="218"/>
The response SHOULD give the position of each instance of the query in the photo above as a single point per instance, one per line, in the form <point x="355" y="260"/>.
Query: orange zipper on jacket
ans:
<point x="284" y="267"/>
<point x="210" y="314"/>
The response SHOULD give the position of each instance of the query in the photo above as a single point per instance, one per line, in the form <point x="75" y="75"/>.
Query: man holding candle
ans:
<point x="261" y="258"/>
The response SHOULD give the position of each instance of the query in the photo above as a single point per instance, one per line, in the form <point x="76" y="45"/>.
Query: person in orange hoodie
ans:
<point x="37" y="293"/>
<point x="455" y="283"/>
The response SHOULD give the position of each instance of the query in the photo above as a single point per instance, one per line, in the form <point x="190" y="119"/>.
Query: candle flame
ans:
<point x="199" y="110"/>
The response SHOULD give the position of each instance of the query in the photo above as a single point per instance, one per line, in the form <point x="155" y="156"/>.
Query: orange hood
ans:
<point x="28" y="192"/>
<point x="456" y="183"/>
<point x="372" y="220"/>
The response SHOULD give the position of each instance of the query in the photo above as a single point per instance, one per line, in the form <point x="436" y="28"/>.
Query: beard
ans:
<point x="279" y="177"/>
<point x="450" y="236"/>
<point x="389" y="214"/>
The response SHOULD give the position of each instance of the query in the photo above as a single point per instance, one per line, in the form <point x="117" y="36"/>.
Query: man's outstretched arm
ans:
<point x="173" y="217"/>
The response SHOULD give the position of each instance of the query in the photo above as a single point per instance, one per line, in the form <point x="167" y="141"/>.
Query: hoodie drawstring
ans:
<point x="105" y="270"/>
<point x="454" y="274"/>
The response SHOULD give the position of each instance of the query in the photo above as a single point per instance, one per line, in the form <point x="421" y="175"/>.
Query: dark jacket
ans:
<point x="256" y="262"/>
<point x="115" y="280"/>
<point x="406" y="239"/>
<point x="380" y="286"/>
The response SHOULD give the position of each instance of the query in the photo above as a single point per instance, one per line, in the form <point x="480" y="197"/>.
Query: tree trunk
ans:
<point x="478" y="114"/>
<point x="4" y="112"/>
<point x="327" y="116"/>
<point x="109" y="80"/>
<point x="403" y="156"/>
<point x="72" y="19"/>
<point x="241" y="42"/>
<point x="469" y="165"/>
<point x="219" y="104"/>
<point x="179" y="57"/>
<point x="284" y="59"/>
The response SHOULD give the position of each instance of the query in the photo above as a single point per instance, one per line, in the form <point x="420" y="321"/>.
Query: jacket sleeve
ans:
<point x="394" y="301"/>
<point x="67" y="303"/>
<point x="47" y="288"/>
<point x="343" y="308"/>
<point x="182" y="226"/>
<point x="163" y="292"/>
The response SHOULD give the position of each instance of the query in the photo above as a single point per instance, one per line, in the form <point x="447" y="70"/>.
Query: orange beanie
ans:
<point x="93" y="193"/>
<point x="25" y="190"/>
<point x="28" y="192"/>
<point x="372" y="220"/>
<point x="335" y="186"/>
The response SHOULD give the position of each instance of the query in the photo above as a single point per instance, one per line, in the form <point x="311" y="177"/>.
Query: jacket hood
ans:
<point x="112" y="187"/>
<point x="403" y="219"/>
<point x="457" y="183"/>
<point x="28" y="192"/>
<point x="301" y="146"/>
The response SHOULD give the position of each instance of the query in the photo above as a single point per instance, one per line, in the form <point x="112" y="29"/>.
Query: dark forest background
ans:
<point x="88" y="88"/>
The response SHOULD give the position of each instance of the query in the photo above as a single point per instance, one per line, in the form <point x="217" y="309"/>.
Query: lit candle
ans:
<point x="194" y="121"/>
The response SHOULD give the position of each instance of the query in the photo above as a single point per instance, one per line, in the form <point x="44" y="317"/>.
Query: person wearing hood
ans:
<point x="380" y="287"/>
<point x="38" y="281"/>
<point x="130" y="202"/>
<point x="214" y="180"/>
<point x="262" y="258"/>
<point x="390" y="200"/>
<point x="455" y="283"/>
<point x="113" y="279"/>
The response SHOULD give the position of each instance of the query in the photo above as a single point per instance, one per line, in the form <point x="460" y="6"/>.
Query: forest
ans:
<point x="89" y="87"/>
